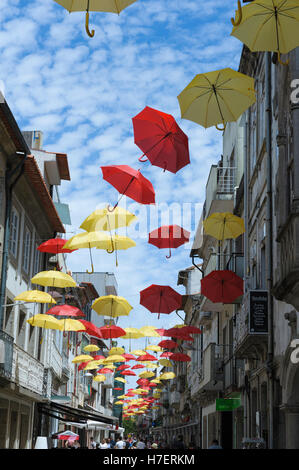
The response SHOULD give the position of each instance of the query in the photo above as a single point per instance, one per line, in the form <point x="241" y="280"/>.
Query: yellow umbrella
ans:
<point x="138" y="352"/>
<point x="167" y="376"/>
<point x="153" y="347"/>
<point x="224" y="225"/>
<point x="155" y="381"/>
<point x="217" y="97"/>
<point x="99" y="378"/>
<point x="116" y="350"/>
<point x="119" y="402"/>
<point x="165" y="363"/>
<point x="132" y="333"/>
<point x="269" y="25"/>
<point x="37" y="296"/>
<point x="42" y="320"/>
<point x="103" y="219"/>
<point x="120" y="379"/>
<point x="108" y="6"/>
<point x="149" y="331"/>
<point x="68" y="324"/>
<point x="91" y="348"/>
<point x="53" y="279"/>
<point x="146" y="374"/>
<point x="114" y="358"/>
<point x="121" y="396"/>
<point x="82" y="358"/>
<point x="150" y="365"/>
<point x="92" y="365"/>
<point x="111" y="306"/>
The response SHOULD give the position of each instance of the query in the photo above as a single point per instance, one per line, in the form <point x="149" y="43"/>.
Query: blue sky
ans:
<point x="82" y="93"/>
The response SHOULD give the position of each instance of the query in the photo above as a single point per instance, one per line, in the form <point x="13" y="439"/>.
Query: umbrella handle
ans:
<point x="221" y="129"/>
<point x="92" y="270"/>
<point x="169" y="256"/>
<point x="143" y="160"/>
<point x="280" y="61"/>
<point x="90" y="34"/>
<point x="236" y="22"/>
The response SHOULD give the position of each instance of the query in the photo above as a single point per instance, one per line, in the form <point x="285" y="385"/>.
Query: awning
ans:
<point x="95" y="425"/>
<point x="70" y="414"/>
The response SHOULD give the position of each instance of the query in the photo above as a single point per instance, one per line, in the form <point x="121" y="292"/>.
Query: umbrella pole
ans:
<point x="92" y="268"/>
<point x="130" y="182"/>
<point x="90" y="33"/>
<point x="236" y="22"/>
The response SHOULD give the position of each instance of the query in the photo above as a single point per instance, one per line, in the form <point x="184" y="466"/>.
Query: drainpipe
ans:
<point x="9" y="185"/>
<point x="245" y="260"/>
<point x="268" y="118"/>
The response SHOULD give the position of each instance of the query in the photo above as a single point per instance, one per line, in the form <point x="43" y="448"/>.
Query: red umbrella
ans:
<point x="55" y="246"/>
<point x="90" y="328"/>
<point x="143" y="382"/>
<point x="128" y="357"/>
<point x="111" y="331"/>
<point x="180" y="357"/>
<point x="178" y="333"/>
<point x="98" y="357"/>
<point x="166" y="354"/>
<point x="123" y="367"/>
<point x="127" y="372"/>
<point x="117" y="388"/>
<point x="160" y="331"/>
<point x="152" y="384"/>
<point x="146" y="357"/>
<point x="168" y="343"/>
<point x="168" y="236"/>
<point x="138" y="366"/>
<point x="65" y="311"/>
<point x="161" y="139"/>
<point x="193" y="330"/>
<point x="160" y="299"/>
<point x="105" y="370"/>
<point x="82" y="365"/>
<point x="222" y="286"/>
<point x="129" y="182"/>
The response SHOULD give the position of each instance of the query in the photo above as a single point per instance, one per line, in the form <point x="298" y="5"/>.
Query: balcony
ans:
<point x="251" y="326"/>
<point x="65" y="368"/>
<point x="27" y="372"/>
<point x="220" y="190"/>
<point x="6" y="355"/>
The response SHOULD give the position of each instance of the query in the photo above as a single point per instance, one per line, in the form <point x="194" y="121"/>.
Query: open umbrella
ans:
<point x="129" y="182"/>
<point x="129" y="357"/>
<point x="123" y="367"/>
<point x="99" y="378"/>
<point x="128" y="372"/>
<point x="222" y="286"/>
<point x="160" y="299"/>
<point x="167" y="376"/>
<point x="153" y="347"/>
<point x="66" y="435"/>
<point x="269" y="25"/>
<point x="82" y="358"/>
<point x="65" y="310"/>
<point x="168" y="236"/>
<point x="138" y="366"/>
<point x="90" y="329"/>
<point x="180" y="357"/>
<point x="165" y="362"/>
<point x="45" y="321"/>
<point x="116" y="350"/>
<point x="217" y="97"/>
<point x="224" y="225"/>
<point x="168" y="343"/>
<point x="54" y="245"/>
<point x="103" y="219"/>
<point x="166" y="354"/>
<point x="149" y="331"/>
<point x="111" y="306"/>
<point x="111" y="331"/>
<point x="53" y="279"/>
<point x="132" y="333"/>
<point x="91" y="348"/>
<point x="146" y="357"/>
<point x="36" y="296"/>
<point x="161" y="139"/>
<point x="108" y="6"/>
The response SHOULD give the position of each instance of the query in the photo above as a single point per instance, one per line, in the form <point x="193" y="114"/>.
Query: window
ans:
<point x="21" y="330"/>
<point x="252" y="138"/>
<point x="14" y="232"/>
<point x="261" y="116"/>
<point x="36" y="260"/>
<point x="263" y="268"/>
<point x="27" y="250"/>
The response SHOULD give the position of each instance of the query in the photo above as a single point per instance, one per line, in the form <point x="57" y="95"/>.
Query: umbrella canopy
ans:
<point x="111" y="331"/>
<point x="65" y="310"/>
<point x="91" y="348"/>
<point x="161" y="139"/>
<point x="54" y="245"/>
<point x="168" y="236"/>
<point x="108" y="6"/>
<point x="68" y="324"/>
<point x="106" y="370"/>
<point x="132" y="333"/>
<point x="111" y="306"/>
<point x="269" y="25"/>
<point x="146" y="374"/>
<point x="82" y="358"/>
<point x="138" y="352"/>
<point x="224" y="225"/>
<point x="153" y="347"/>
<point x="99" y="378"/>
<point x="45" y="321"/>
<point x="138" y="366"/>
<point x="146" y="357"/>
<point x="180" y="357"/>
<point x="90" y="328"/>
<point x="120" y="379"/>
<point x="217" y="97"/>
<point x="166" y="354"/>
<point x="116" y="350"/>
<point x="128" y="357"/>
<point x="53" y="279"/>
<point x="103" y="219"/>
<point x="167" y="376"/>
<point x="165" y="363"/>
<point x="160" y="299"/>
<point x="123" y="367"/>
<point x="193" y="330"/>
<point x="37" y="296"/>
<point x="149" y="331"/>
<point x="179" y="333"/>
<point x="128" y="372"/>
<point x="168" y="343"/>
<point x="129" y="182"/>
<point x="222" y="286"/>
<point x="114" y="358"/>
<point x="67" y="435"/>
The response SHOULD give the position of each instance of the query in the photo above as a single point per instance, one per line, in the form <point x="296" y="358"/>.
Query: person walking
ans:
<point x="178" y="443"/>
<point x="215" y="445"/>
<point x="120" y="444"/>
<point x="140" y="444"/>
<point x="104" y="444"/>
<point x="93" y="444"/>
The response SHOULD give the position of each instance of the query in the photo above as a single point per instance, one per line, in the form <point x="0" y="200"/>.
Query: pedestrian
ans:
<point x="140" y="444"/>
<point x="178" y="443"/>
<point x="93" y="444"/>
<point x="120" y="444"/>
<point x="112" y="443"/>
<point x="154" y="445"/>
<point x="104" y="444"/>
<point x="76" y="445"/>
<point x="215" y="445"/>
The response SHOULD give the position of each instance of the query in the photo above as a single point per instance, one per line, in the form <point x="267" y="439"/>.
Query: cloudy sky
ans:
<point x="82" y="93"/>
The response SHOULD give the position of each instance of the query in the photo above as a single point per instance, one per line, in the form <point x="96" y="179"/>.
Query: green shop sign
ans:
<point x="227" y="404"/>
